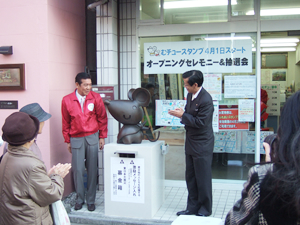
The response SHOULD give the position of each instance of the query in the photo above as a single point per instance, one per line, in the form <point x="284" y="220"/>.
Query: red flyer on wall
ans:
<point x="228" y="120"/>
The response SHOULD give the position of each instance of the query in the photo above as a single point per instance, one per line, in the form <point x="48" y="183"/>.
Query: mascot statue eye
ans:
<point x="134" y="107"/>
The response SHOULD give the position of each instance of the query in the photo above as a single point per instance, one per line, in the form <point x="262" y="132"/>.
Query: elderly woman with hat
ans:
<point x="26" y="190"/>
<point x="34" y="109"/>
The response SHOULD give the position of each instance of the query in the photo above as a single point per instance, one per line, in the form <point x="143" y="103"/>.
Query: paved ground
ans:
<point x="224" y="196"/>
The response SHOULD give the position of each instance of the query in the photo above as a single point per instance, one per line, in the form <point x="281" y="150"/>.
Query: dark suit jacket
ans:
<point x="197" y="119"/>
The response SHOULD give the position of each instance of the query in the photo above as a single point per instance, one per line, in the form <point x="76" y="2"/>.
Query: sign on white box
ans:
<point x="127" y="180"/>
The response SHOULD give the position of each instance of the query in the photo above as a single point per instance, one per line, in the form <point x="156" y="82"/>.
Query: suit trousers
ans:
<point x="199" y="183"/>
<point x="85" y="156"/>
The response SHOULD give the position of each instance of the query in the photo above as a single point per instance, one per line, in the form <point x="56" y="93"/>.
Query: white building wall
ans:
<point x="107" y="56"/>
<point x="128" y="47"/>
<point x="107" y="51"/>
<point x="107" y="66"/>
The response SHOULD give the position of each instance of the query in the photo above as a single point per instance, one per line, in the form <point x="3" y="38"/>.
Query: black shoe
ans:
<point x="184" y="212"/>
<point x="200" y="214"/>
<point x="91" y="207"/>
<point x="78" y="206"/>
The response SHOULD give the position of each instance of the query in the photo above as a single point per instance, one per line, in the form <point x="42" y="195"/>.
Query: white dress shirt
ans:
<point x="81" y="99"/>
<point x="196" y="94"/>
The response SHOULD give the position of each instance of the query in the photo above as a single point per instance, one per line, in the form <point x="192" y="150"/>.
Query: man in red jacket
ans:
<point x="84" y="127"/>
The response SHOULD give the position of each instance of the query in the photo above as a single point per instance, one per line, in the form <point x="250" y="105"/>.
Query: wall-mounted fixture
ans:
<point x="95" y="4"/>
<point x="6" y="50"/>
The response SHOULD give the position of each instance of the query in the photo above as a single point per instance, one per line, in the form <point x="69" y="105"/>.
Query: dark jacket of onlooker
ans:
<point x="272" y="193"/>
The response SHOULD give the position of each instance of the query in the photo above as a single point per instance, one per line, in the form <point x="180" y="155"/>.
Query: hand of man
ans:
<point x="69" y="147"/>
<point x="101" y="143"/>
<point x="60" y="169"/>
<point x="176" y="112"/>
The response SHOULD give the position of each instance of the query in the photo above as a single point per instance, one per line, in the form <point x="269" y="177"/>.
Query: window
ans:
<point x="274" y="9"/>
<point x="200" y="11"/>
<point x="149" y="10"/>
<point x="241" y="8"/>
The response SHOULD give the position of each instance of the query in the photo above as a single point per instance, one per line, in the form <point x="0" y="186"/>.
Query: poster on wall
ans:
<point x="127" y="180"/>
<point x="248" y="141"/>
<point x="246" y="110"/>
<point x="173" y="86"/>
<point x="279" y="77"/>
<point x="213" y="84"/>
<point x="229" y="101"/>
<point x="225" y="56"/>
<point x="227" y="141"/>
<point x="163" y="118"/>
<point x="273" y="102"/>
<point x="215" y="121"/>
<point x="240" y="86"/>
<point x="161" y="88"/>
<point x="228" y="120"/>
<point x="265" y="76"/>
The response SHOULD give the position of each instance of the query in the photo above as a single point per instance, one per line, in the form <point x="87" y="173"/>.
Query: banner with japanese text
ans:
<point x="225" y="56"/>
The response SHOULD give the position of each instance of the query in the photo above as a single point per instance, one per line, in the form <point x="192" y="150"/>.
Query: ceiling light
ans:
<point x="278" y="49"/>
<point x="226" y="38"/>
<point x="196" y="3"/>
<point x="276" y="12"/>
<point x="278" y="44"/>
<point x="279" y="40"/>
<point x="275" y="50"/>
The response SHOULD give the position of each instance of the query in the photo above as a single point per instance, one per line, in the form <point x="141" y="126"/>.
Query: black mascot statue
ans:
<point x="130" y="113"/>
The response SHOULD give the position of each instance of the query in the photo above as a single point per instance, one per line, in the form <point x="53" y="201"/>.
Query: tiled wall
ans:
<point x="129" y="78"/>
<point x="107" y="56"/>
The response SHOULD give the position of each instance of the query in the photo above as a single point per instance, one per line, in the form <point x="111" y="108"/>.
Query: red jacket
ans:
<point x="76" y="123"/>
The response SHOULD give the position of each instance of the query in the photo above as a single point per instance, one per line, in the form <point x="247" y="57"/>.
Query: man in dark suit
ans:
<point x="199" y="144"/>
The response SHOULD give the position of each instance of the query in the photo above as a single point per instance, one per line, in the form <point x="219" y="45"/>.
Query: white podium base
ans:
<point x="197" y="220"/>
<point x="134" y="179"/>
